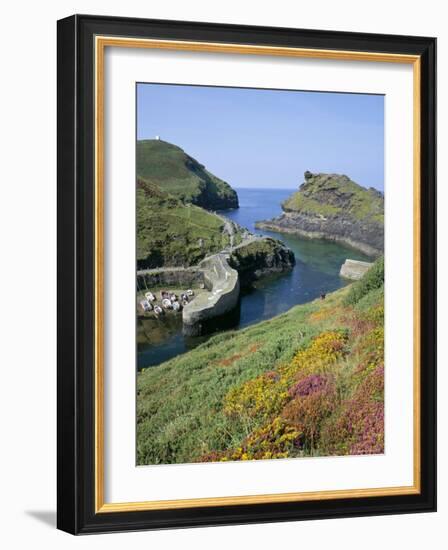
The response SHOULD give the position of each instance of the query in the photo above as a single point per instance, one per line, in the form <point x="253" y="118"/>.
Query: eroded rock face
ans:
<point x="261" y="257"/>
<point x="182" y="176"/>
<point x="333" y="207"/>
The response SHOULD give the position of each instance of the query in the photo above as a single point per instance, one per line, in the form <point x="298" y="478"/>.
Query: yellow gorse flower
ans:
<point x="265" y="395"/>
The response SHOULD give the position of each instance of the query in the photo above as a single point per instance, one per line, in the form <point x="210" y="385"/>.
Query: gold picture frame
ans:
<point x="98" y="42"/>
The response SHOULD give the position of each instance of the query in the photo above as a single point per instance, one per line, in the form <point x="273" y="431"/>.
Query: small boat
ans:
<point x="150" y="296"/>
<point x="177" y="306"/>
<point x="166" y="303"/>
<point x="190" y="292"/>
<point x="145" y="305"/>
<point x="158" y="310"/>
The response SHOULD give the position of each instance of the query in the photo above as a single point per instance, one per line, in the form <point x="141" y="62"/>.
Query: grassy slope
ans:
<point x="233" y="397"/>
<point x="331" y="194"/>
<point x="172" y="233"/>
<point x="182" y="176"/>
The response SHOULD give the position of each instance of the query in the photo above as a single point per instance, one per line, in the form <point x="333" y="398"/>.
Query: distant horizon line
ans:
<point x="264" y="187"/>
<point x="158" y="138"/>
<point x="296" y="187"/>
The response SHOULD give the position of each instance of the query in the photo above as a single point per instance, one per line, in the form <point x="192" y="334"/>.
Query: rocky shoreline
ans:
<point x="334" y="208"/>
<point x="222" y="275"/>
<point x="313" y="229"/>
<point x="260" y="258"/>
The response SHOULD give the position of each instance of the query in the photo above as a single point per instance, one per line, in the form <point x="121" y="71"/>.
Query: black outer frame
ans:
<point x="75" y="402"/>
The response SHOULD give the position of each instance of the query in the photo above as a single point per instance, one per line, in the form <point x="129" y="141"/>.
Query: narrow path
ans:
<point x="230" y="230"/>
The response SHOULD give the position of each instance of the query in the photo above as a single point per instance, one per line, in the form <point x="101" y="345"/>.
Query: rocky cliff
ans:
<point x="172" y="234"/>
<point x="182" y="176"/>
<point x="259" y="258"/>
<point x="333" y="207"/>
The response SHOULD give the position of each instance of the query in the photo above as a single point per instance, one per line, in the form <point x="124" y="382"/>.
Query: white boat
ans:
<point x="145" y="305"/>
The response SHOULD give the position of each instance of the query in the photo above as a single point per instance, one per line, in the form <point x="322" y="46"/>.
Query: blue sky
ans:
<point x="268" y="138"/>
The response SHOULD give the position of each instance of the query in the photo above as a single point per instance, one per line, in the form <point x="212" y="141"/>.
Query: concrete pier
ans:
<point x="224" y="285"/>
<point x="220" y="280"/>
<point x="354" y="269"/>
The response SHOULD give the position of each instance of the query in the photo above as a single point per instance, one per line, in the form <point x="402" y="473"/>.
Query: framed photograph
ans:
<point x="246" y="274"/>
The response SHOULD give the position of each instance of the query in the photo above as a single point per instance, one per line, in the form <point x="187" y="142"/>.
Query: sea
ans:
<point x="316" y="271"/>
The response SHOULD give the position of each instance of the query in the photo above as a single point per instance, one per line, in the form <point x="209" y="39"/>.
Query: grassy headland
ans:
<point x="332" y="195"/>
<point x="309" y="382"/>
<point x="172" y="233"/>
<point x="182" y="176"/>
<point x="334" y="207"/>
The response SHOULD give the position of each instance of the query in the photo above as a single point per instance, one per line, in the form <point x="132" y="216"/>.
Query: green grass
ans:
<point x="182" y="176"/>
<point x="301" y="203"/>
<point x="331" y="195"/>
<point x="170" y="233"/>
<point x="182" y="405"/>
<point x="373" y="280"/>
<point x="259" y="246"/>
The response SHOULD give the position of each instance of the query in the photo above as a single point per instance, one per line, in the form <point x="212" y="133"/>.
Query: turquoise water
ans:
<point x="317" y="270"/>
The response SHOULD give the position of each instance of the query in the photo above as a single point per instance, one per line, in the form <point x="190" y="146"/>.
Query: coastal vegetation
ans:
<point x="309" y="382"/>
<point x="333" y="194"/>
<point x="170" y="232"/>
<point x="183" y="177"/>
<point x="333" y="207"/>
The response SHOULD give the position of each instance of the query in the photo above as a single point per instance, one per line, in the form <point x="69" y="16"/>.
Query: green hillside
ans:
<point x="334" y="207"/>
<point x="309" y="382"/>
<point x="332" y="195"/>
<point x="182" y="176"/>
<point x="171" y="233"/>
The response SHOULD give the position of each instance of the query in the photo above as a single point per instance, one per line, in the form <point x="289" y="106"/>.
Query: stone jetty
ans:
<point x="219" y="279"/>
<point x="354" y="269"/>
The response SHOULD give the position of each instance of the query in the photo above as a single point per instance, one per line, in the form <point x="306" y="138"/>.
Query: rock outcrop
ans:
<point x="259" y="258"/>
<point x="333" y="207"/>
<point x="182" y="176"/>
<point x="222" y="275"/>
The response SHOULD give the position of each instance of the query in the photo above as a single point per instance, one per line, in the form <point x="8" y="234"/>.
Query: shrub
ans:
<point x="372" y="346"/>
<point x="372" y="280"/>
<point x="358" y="428"/>
<point x="264" y="397"/>
<point x="278" y="439"/>
<point x="314" y="400"/>
<point x="260" y="397"/>
<point x="308" y="385"/>
<point x="325" y="350"/>
<point x="212" y="456"/>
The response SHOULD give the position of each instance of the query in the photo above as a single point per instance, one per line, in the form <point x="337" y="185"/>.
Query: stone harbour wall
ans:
<point x="354" y="269"/>
<point x="224" y="285"/>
